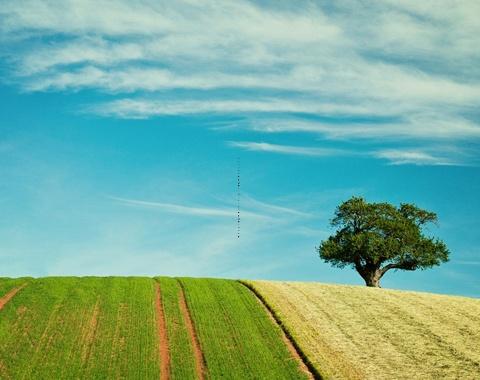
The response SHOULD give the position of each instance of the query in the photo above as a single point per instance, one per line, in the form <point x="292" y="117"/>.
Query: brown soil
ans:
<point x="7" y="297"/>
<point x="288" y="342"/>
<point x="199" y="358"/>
<point x="162" y="335"/>
<point x="293" y="352"/>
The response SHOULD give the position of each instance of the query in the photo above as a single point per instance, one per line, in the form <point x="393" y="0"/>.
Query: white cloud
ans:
<point x="427" y="125"/>
<point x="286" y="149"/>
<point x="144" y="108"/>
<point x="393" y="156"/>
<point x="187" y="210"/>
<point x="416" y="63"/>
<point x="251" y="208"/>
<point x="269" y="208"/>
<point x="415" y="157"/>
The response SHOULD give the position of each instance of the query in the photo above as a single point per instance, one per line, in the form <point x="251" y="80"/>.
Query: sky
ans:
<point x="123" y="125"/>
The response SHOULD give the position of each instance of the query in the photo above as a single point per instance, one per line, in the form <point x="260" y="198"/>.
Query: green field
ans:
<point x="58" y="328"/>
<point x="183" y="365"/>
<point x="107" y="328"/>
<point x="238" y="339"/>
<point x="185" y="328"/>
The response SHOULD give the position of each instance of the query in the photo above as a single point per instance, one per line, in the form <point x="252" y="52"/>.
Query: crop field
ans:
<point x="237" y="338"/>
<point x="9" y="287"/>
<point x="351" y="332"/>
<point x="186" y="328"/>
<point x="7" y="284"/>
<point x="182" y="360"/>
<point x="57" y="328"/>
<point x="138" y="328"/>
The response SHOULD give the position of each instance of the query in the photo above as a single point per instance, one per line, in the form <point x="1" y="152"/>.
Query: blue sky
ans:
<point x="121" y="125"/>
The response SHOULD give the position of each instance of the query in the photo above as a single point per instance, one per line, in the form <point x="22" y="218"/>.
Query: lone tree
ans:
<point x="376" y="237"/>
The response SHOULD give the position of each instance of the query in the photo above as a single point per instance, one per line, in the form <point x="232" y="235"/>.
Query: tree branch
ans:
<point x="404" y="266"/>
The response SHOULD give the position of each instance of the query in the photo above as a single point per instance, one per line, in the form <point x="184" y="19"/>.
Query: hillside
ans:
<point x="138" y="328"/>
<point x="184" y="328"/>
<point x="352" y="332"/>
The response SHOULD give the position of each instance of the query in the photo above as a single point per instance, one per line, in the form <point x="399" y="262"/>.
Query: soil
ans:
<point x="197" y="351"/>
<point x="7" y="297"/>
<point x="288" y="342"/>
<point x="162" y="335"/>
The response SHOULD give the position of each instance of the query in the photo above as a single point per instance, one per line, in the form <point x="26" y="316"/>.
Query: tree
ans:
<point x="374" y="238"/>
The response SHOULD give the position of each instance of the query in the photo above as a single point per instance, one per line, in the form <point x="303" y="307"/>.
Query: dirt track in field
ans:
<point x="293" y="352"/>
<point x="7" y="297"/>
<point x="162" y="335"/>
<point x="312" y="375"/>
<point x="199" y="358"/>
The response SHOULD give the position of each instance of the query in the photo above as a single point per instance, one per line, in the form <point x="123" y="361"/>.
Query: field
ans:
<point x="58" y="328"/>
<point x="351" y="332"/>
<point x="181" y="355"/>
<point x="138" y="328"/>
<point x="185" y="328"/>
<point x="238" y="339"/>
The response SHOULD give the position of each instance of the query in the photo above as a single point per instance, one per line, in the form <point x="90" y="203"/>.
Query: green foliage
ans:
<point x="376" y="237"/>
<point x="237" y="337"/>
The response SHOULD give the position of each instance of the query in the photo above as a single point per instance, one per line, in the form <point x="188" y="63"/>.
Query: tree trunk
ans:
<point x="372" y="278"/>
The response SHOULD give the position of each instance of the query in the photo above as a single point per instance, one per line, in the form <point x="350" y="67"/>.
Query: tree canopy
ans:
<point x="376" y="237"/>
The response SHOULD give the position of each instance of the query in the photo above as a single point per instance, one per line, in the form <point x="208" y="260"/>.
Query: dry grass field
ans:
<point x="351" y="332"/>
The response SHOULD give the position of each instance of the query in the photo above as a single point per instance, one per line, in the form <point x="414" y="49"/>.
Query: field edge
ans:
<point x="317" y="375"/>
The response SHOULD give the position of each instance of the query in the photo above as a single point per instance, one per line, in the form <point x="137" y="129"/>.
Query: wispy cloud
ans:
<point x="401" y="126"/>
<point x="146" y="108"/>
<point x="270" y="208"/>
<point x="393" y="156"/>
<point x="415" y="157"/>
<point x="187" y="210"/>
<point x="415" y="65"/>
<point x="251" y="208"/>
<point x="286" y="149"/>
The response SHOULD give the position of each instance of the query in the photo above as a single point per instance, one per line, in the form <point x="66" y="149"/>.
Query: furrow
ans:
<point x="7" y="297"/>
<point x="199" y="358"/>
<point x="305" y="365"/>
<point x="162" y="336"/>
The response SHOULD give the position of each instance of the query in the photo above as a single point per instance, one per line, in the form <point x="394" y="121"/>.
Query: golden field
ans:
<point x="353" y="332"/>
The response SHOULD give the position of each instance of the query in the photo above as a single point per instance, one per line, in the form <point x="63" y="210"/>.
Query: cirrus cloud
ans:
<point x="417" y="65"/>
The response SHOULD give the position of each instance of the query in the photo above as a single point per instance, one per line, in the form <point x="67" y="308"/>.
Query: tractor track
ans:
<point x="197" y="350"/>
<point x="164" y="351"/>
<point x="9" y="295"/>
<point x="304" y="363"/>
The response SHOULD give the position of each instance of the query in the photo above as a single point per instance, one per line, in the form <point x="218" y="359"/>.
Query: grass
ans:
<point x="93" y="328"/>
<point x="107" y="328"/>
<point x="238" y="339"/>
<point x="7" y="284"/>
<point x="180" y="345"/>
<point x="351" y="332"/>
